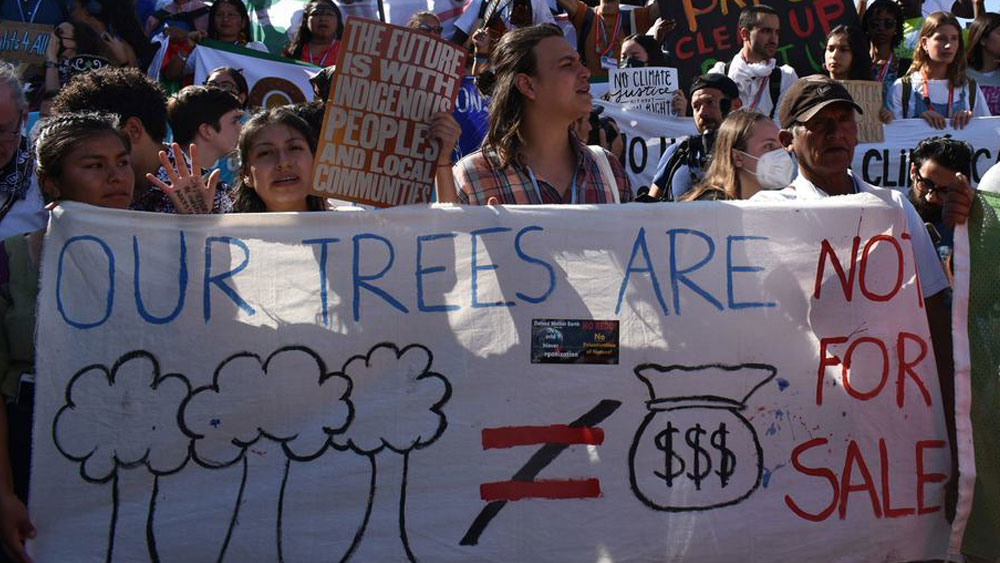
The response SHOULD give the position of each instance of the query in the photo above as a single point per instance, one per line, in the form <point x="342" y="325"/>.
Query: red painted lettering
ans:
<point x="721" y="37"/>
<point x="681" y="48"/>
<point x="824" y="361"/>
<point x="853" y="458"/>
<point x="862" y="281"/>
<point x="830" y="477"/>
<point x="846" y="281"/>
<point x="905" y="368"/>
<point x="828" y="11"/>
<point x="793" y="18"/>
<point x="702" y="48"/>
<point x="926" y="477"/>
<point x="887" y="508"/>
<point x="846" y="368"/>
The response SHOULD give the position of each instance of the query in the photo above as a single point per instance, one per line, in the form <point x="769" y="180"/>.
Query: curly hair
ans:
<point x="513" y="55"/>
<point x="247" y="200"/>
<point x="303" y="36"/>
<point x="124" y="92"/>
<point x="61" y="133"/>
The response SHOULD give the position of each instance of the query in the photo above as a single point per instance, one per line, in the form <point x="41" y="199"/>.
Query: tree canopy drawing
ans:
<point x="403" y="377"/>
<point x="123" y="418"/>
<point x="286" y="403"/>
<point x="301" y="422"/>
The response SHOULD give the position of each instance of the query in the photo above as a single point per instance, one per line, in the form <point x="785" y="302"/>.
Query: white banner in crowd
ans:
<point x="883" y="164"/>
<point x="715" y="383"/>
<point x="273" y="81"/>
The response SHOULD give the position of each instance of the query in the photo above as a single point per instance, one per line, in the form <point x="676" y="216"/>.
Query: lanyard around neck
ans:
<point x="927" y="96"/>
<point x="538" y="191"/>
<point x="322" y="62"/>
<point x="20" y="8"/>
<point x="609" y="44"/>
<point x="885" y="69"/>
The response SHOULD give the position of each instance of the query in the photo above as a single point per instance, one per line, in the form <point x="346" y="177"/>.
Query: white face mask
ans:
<point x="775" y="169"/>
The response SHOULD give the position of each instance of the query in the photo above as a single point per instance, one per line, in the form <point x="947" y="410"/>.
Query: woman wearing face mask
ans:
<point x="936" y="87"/>
<point x="747" y="158"/>
<point x="642" y="51"/>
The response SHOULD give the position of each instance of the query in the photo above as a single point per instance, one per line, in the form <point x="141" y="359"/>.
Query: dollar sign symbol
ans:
<point x="665" y="442"/>
<point x="727" y="462"/>
<point x="696" y="475"/>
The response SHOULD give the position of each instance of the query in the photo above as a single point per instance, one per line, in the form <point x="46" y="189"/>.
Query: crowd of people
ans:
<point x="114" y="137"/>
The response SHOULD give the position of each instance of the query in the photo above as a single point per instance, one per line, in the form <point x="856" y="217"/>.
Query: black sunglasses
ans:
<point x="928" y="185"/>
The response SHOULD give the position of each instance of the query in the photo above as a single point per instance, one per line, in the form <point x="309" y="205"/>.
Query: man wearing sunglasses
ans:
<point x="21" y="207"/>
<point x="938" y="165"/>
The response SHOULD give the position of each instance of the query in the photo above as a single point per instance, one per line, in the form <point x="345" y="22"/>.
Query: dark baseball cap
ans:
<point x="806" y="96"/>
<point x="720" y="82"/>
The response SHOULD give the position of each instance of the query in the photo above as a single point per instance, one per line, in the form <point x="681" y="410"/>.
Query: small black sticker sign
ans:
<point x="574" y="341"/>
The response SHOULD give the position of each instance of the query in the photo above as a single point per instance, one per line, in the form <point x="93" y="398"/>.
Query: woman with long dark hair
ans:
<point x="984" y="57"/>
<point x="228" y="22"/>
<point x="529" y="155"/>
<point x="318" y="37"/>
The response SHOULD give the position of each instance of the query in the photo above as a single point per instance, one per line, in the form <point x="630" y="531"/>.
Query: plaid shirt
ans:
<point x="479" y="176"/>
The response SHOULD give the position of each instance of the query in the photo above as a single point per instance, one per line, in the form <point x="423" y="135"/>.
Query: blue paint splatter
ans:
<point x="779" y="415"/>
<point x="766" y="477"/>
<point x="772" y="430"/>
<point x="215" y="422"/>
<point x="782" y="383"/>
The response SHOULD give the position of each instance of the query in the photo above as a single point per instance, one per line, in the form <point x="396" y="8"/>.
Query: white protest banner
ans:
<point x="273" y="81"/>
<point x="375" y="147"/>
<point x="868" y="95"/>
<point x="706" y="382"/>
<point x="884" y="164"/>
<point x="649" y="89"/>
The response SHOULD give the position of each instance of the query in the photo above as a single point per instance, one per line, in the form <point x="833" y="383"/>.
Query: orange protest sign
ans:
<point x="375" y="147"/>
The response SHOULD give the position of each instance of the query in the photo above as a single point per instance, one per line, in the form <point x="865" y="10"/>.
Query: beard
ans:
<point x="929" y="212"/>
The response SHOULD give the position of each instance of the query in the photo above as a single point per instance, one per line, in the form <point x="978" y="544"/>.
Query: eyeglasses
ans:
<point x="435" y="29"/>
<point x="887" y="24"/>
<point x="320" y="12"/>
<point x="227" y="86"/>
<point x="928" y="185"/>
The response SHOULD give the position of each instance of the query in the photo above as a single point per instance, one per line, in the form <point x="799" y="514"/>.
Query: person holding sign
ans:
<point x="754" y="69"/>
<point x="276" y="164"/>
<point x="847" y="58"/>
<point x="529" y="155"/>
<point x="81" y="157"/>
<point x="819" y="126"/>
<point x="640" y="51"/>
<point x="936" y="87"/>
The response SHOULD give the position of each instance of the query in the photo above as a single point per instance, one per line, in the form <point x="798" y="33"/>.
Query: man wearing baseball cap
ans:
<point x="819" y="127"/>
<point x="683" y="164"/>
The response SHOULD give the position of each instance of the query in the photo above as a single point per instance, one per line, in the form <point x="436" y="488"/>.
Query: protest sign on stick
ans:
<point x="375" y="146"/>
<point x="24" y="42"/>
<point x="868" y="95"/>
<point x="649" y="89"/>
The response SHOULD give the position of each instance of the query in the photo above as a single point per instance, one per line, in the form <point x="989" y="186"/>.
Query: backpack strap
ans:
<point x="609" y="177"/>
<point x="680" y="156"/>
<point x="972" y="95"/>
<point x="581" y="39"/>
<point x="907" y="94"/>
<point x="774" y="85"/>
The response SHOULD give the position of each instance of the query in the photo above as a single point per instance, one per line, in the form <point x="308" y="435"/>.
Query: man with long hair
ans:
<point x="529" y="155"/>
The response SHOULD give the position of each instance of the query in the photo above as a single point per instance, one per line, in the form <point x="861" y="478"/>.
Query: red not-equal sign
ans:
<point x="556" y="434"/>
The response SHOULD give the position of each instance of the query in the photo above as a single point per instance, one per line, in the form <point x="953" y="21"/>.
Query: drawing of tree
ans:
<point x="124" y="418"/>
<point x="398" y="404"/>
<point x="297" y="407"/>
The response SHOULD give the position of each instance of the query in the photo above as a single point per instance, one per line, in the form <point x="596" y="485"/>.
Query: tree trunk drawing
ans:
<point x="133" y="500"/>
<point x="382" y="535"/>
<point x="255" y="529"/>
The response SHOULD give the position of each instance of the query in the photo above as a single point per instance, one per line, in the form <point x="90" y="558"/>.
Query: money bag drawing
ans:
<point x="695" y="450"/>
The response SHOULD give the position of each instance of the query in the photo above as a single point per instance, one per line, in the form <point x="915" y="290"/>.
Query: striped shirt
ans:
<point x="479" y="176"/>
